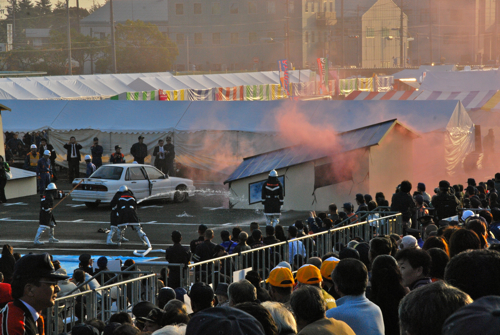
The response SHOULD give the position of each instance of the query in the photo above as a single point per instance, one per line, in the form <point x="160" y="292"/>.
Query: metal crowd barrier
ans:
<point x="100" y="303"/>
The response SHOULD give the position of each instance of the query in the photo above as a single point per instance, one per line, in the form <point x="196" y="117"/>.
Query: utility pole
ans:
<point x="14" y="5"/>
<point x="342" y="30"/>
<point x="187" y="52"/>
<point x="70" y="65"/>
<point x="287" y="35"/>
<point x="113" y="45"/>
<point x="401" y="32"/>
<point x="430" y="30"/>
<point x="78" y="16"/>
<point x="91" y="52"/>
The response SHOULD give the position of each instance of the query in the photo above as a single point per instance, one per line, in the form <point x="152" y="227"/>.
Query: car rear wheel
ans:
<point x="93" y="204"/>
<point x="181" y="194"/>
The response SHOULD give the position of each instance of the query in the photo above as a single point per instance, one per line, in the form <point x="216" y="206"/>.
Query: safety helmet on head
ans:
<point x="88" y="158"/>
<point x="123" y="188"/>
<point x="51" y="187"/>
<point x="273" y="173"/>
<point x="46" y="153"/>
<point x="33" y="146"/>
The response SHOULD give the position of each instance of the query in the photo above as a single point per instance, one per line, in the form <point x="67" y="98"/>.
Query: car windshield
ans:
<point x="108" y="172"/>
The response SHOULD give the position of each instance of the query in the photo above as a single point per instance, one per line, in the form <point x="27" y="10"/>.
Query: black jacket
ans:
<point x="127" y="209"/>
<point x="403" y="202"/>
<point x="170" y="150"/>
<point x="139" y="150"/>
<point x="46" y="204"/>
<point x="272" y="196"/>
<point x="68" y="151"/>
<point x="53" y="155"/>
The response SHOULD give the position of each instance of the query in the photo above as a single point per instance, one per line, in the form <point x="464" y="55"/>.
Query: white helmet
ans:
<point x="123" y="189"/>
<point x="33" y="146"/>
<point x="51" y="187"/>
<point x="46" y="153"/>
<point x="467" y="214"/>
<point x="273" y="173"/>
<point x="88" y="157"/>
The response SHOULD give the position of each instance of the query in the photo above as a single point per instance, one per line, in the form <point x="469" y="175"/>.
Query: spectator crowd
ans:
<point x="441" y="276"/>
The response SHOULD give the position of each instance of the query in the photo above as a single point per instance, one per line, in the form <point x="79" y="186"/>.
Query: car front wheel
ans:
<point x="92" y="204"/>
<point x="181" y="194"/>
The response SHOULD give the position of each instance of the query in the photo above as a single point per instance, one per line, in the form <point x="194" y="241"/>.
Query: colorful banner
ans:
<point x="365" y="84"/>
<point x="144" y="95"/>
<point x="383" y="83"/>
<point x="230" y="93"/>
<point x="323" y="74"/>
<point x="347" y="86"/>
<point x="201" y="95"/>
<point x="283" y="70"/>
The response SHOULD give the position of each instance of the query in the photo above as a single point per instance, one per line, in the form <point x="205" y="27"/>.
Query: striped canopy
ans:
<point x="391" y="95"/>
<point x="470" y="99"/>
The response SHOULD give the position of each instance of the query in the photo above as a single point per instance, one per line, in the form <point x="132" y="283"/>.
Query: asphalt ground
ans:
<point x="77" y="226"/>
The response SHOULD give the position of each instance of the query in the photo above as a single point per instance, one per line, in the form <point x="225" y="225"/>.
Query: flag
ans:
<point x="283" y="70"/>
<point x="323" y="73"/>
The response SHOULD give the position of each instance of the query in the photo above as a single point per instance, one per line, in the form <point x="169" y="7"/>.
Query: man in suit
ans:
<point x="139" y="150"/>
<point x="34" y="288"/>
<point x="169" y="157"/>
<point x="160" y="157"/>
<point x="73" y="157"/>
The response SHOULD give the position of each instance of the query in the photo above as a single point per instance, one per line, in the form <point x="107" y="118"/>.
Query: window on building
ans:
<point x="370" y="32"/>
<point x="198" y="38"/>
<point x="385" y="32"/>
<point x="179" y="9"/>
<point x="252" y="7"/>
<point x="312" y="37"/>
<point x="306" y="7"/>
<point x="197" y="8"/>
<point x="252" y="37"/>
<point x="306" y="39"/>
<point x="271" y="7"/>
<point x="215" y="8"/>
<point x="216" y="38"/>
<point x="424" y="15"/>
<point x="179" y="38"/>
<point x="324" y="6"/>
<point x="331" y="7"/>
<point x="234" y="38"/>
<point x="233" y="8"/>
<point x="313" y="7"/>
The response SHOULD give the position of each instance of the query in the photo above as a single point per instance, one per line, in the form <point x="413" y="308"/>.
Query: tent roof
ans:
<point x="470" y="100"/>
<point x="391" y="95"/>
<point x="461" y="81"/>
<point x="286" y="157"/>
<point x="250" y="116"/>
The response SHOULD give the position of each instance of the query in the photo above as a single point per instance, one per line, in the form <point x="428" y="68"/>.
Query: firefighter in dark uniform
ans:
<point x="47" y="221"/>
<point x="31" y="160"/>
<point x="44" y="171"/>
<point x="272" y="198"/>
<point x="96" y="150"/>
<point x="127" y="216"/>
<point x="139" y="150"/>
<point x="169" y="156"/>
<point x="114" y="217"/>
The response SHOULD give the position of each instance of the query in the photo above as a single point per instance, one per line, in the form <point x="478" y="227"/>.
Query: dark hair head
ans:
<point x="405" y="186"/>
<point x="254" y="225"/>
<point x="253" y="277"/>
<point x="121" y="317"/>
<point x="386" y="280"/>
<point x="241" y="291"/>
<point x="380" y="246"/>
<point x="127" y="329"/>
<point x="372" y="205"/>
<point x="439" y="261"/>
<point x="224" y="235"/>
<point x="236" y="232"/>
<point x="379" y="196"/>
<point x="256" y="235"/>
<point x="175" y="313"/>
<point x="176" y="236"/>
<point x="308" y="304"/>
<point x="332" y="207"/>
<point x="209" y="234"/>
<point x="280" y="233"/>
<point x="243" y="237"/>
<point x="463" y="239"/>
<point x="436" y="242"/>
<point x="293" y="231"/>
<point x="348" y="253"/>
<point x="202" y="295"/>
<point x="479" y="227"/>
<point x="99" y="324"/>
<point x="261" y="314"/>
<point x="350" y="276"/>
<point x="417" y="258"/>
<point x="7" y="250"/>
<point x="269" y="230"/>
<point x="447" y="232"/>
<point x="476" y="272"/>
<point x="424" y="310"/>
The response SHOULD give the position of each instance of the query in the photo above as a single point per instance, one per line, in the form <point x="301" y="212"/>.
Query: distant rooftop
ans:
<point x="6" y="74"/>
<point x="123" y="10"/>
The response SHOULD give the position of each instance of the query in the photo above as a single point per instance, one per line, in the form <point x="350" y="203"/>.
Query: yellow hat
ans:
<point x="281" y="277"/>
<point x="328" y="266"/>
<point x="309" y="274"/>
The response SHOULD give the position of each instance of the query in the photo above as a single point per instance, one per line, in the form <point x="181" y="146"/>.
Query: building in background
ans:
<point x="38" y="38"/>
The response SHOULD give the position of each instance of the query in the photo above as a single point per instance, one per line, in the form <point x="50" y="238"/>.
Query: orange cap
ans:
<point x="281" y="277"/>
<point x="328" y="266"/>
<point x="309" y="274"/>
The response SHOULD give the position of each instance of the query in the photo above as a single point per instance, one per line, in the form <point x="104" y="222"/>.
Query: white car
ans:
<point x="145" y="181"/>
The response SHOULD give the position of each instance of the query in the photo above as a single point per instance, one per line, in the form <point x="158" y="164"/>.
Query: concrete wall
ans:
<point x="23" y="187"/>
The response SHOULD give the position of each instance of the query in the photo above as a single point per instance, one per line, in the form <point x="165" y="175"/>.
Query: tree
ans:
<point x="141" y="47"/>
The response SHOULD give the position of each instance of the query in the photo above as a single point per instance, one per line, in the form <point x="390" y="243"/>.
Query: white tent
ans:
<point x="461" y="81"/>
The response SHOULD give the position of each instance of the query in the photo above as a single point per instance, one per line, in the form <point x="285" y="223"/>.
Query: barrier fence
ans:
<point x="118" y="294"/>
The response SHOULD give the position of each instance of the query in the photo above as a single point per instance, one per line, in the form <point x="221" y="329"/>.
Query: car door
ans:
<point x="137" y="182"/>
<point x="159" y="181"/>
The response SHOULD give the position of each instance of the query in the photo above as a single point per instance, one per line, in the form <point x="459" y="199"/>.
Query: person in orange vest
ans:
<point x="31" y="160"/>
<point x="117" y="157"/>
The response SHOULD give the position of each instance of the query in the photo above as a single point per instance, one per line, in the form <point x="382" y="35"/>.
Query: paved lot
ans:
<point x="77" y="225"/>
